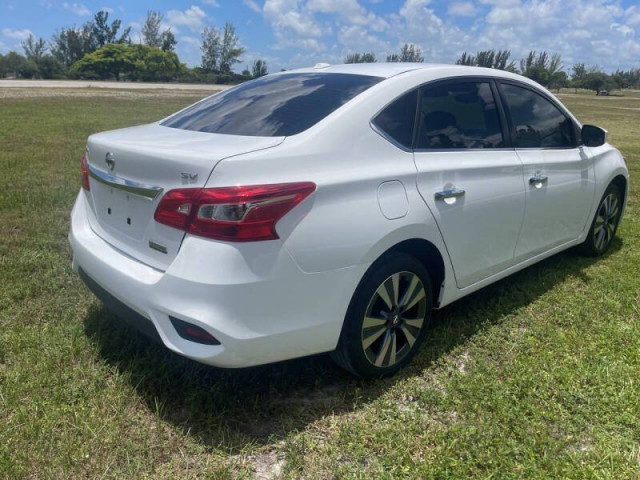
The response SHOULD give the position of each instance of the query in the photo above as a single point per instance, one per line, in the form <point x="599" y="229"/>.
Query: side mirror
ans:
<point x="593" y="136"/>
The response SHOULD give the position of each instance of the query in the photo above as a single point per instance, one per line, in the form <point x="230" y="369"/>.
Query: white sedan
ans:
<point x="330" y="209"/>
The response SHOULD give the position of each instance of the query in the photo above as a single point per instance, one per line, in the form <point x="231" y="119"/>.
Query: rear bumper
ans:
<point x="130" y="316"/>
<point x="252" y="297"/>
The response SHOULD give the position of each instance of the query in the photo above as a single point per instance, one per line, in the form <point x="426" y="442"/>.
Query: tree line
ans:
<point x="103" y="49"/>
<point x="542" y="67"/>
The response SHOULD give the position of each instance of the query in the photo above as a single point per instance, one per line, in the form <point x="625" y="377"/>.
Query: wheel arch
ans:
<point x="621" y="182"/>
<point x="430" y="257"/>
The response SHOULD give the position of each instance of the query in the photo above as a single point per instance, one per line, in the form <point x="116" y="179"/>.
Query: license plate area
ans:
<point x="121" y="212"/>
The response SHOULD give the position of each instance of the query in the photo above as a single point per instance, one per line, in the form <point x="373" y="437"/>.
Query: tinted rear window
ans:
<point x="459" y="115"/>
<point x="398" y="118"/>
<point x="280" y="105"/>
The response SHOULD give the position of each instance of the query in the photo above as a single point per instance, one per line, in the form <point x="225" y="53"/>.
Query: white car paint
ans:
<point x="274" y="300"/>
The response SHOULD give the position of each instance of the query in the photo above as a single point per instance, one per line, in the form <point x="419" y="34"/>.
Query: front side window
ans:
<point x="273" y="106"/>
<point x="459" y="115"/>
<point x="397" y="119"/>
<point x="538" y="123"/>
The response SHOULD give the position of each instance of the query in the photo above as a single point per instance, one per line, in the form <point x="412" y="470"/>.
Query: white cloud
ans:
<point x="192" y="18"/>
<point x="77" y="9"/>
<point x="253" y="5"/>
<point x="294" y="26"/>
<point x="191" y="41"/>
<point x="349" y="12"/>
<point x="17" y="34"/>
<point x="357" y="39"/>
<point x="462" y="9"/>
<point x="213" y="3"/>
<point x="582" y="31"/>
<point x="107" y="9"/>
<point x="632" y="15"/>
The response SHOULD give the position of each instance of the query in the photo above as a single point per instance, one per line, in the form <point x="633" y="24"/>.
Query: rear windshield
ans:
<point x="276" y="106"/>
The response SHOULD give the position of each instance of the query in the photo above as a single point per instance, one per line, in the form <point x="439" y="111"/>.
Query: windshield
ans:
<point x="273" y="106"/>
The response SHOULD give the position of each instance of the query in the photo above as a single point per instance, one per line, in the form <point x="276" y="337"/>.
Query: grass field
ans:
<point x="537" y="376"/>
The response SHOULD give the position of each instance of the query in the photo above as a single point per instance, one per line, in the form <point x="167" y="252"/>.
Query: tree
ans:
<point x="153" y="64"/>
<point x="168" y="41"/>
<point x="540" y="67"/>
<point x="18" y="66"/>
<point x="50" y="67"/>
<point x="597" y="81"/>
<point x="408" y="53"/>
<point x="578" y="74"/>
<point x="231" y="50"/>
<point x="211" y="49"/>
<point x="105" y="33"/>
<point x="538" y="74"/>
<point x="151" y="35"/>
<point x="260" y="68"/>
<point x="71" y="44"/>
<point x="558" y="80"/>
<point x="112" y="60"/>
<point x="46" y="65"/>
<point x="626" y="79"/>
<point x="34" y="49"/>
<point x="360" y="58"/>
<point x="498" y="59"/>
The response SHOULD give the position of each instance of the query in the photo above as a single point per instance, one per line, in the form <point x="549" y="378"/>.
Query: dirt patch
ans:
<point x="98" y="92"/>
<point x="73" y="84"/>
<point x="267" y="466"/>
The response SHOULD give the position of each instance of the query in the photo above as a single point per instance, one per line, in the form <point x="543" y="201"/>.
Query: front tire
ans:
<point x="387" y="319"/>
<point x="605" y="223"/>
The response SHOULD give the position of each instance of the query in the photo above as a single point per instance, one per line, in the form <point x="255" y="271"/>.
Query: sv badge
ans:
<point x="188" y="178"/>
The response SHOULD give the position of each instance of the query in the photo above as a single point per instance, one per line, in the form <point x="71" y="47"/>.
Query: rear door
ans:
<point x="557" y="171"/>
<point x="469" y="176"/>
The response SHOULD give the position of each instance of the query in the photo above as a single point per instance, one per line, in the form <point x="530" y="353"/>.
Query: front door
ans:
<point x="558" y="174"/>
<point x="469" y="179"/>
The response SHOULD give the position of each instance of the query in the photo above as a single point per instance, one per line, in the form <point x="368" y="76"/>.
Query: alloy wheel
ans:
<point x="606" y="221"/>
<point x="393" y="319"/>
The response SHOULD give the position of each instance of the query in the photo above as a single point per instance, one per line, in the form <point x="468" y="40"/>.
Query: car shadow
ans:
<point x="231" y="409"/>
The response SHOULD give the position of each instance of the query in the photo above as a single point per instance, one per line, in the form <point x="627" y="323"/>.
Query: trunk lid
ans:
<point x="131" y="169"/>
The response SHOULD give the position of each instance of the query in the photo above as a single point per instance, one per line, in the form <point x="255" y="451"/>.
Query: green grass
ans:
<point x="535" y="376"/>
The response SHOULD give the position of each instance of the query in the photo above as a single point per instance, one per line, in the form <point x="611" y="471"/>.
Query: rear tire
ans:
<point x="605" y="223"/>
<point x="387" y="319"/>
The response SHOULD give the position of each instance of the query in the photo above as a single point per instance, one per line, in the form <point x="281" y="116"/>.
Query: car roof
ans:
<point x="388" y="70"/>
<point x="384" y="70"/>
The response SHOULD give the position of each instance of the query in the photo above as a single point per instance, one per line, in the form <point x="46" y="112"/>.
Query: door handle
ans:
<point x="450" y="193"/>
<point x="537" y="178"/>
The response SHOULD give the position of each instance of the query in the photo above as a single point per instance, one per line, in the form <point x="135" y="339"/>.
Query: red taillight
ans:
<point x="84" y="165"/>
<point x="235" y="214"/>
<point x="175" y="208"/>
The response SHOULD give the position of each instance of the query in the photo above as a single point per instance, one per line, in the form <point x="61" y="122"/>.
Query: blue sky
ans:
<point x="293" y="33"/>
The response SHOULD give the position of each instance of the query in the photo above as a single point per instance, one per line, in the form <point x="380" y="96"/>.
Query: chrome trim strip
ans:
<point x="149" y="192"/>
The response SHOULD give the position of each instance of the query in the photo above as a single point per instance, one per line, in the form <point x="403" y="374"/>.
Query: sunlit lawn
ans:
<point x="536" y="376"/>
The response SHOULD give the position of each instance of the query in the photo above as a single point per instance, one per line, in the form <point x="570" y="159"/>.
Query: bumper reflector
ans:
<point x="193" y="333"/>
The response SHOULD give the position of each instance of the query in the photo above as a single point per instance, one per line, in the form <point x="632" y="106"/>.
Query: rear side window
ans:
<point x="538" y="123"/>
<point x="397" y="120"/>
<point x="273" y="106"/>
<point x="459" y="115"/>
